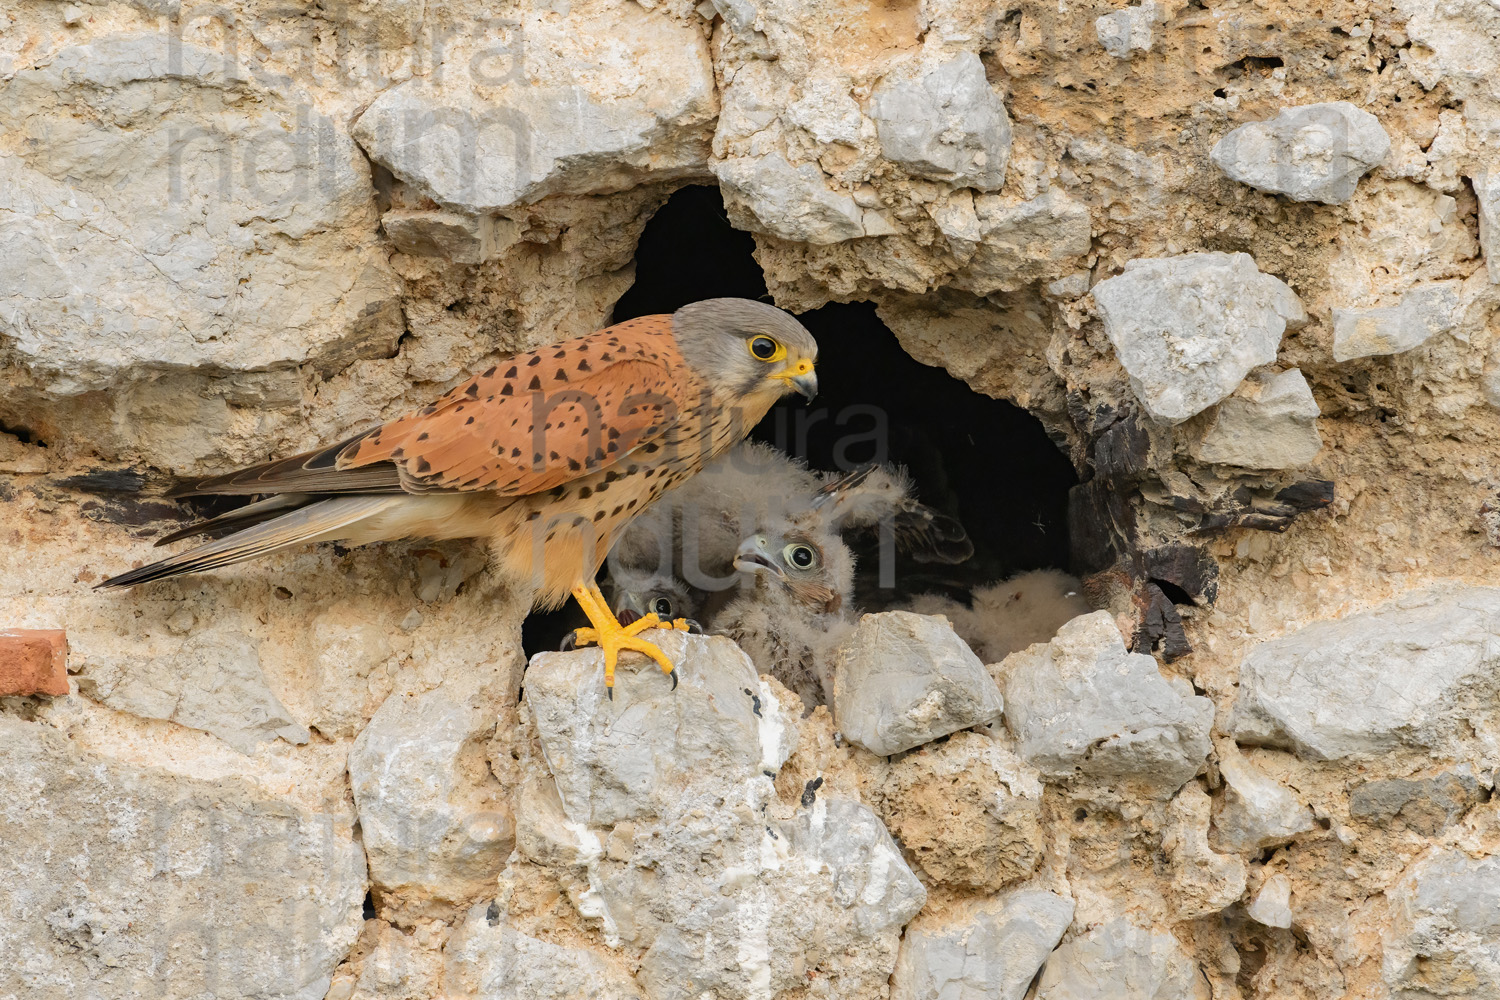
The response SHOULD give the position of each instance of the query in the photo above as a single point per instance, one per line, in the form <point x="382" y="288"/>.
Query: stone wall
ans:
<point x="1231" y="254"/>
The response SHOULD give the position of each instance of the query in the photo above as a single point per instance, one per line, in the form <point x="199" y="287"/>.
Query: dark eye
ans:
<point x="801" y="556"/>
<point x="764" y="348"/>
<point x="663" y="607"/>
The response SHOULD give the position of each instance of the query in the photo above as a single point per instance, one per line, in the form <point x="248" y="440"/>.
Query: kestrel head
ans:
<point x="814" y="568"/>
<point x="746" y="349"/>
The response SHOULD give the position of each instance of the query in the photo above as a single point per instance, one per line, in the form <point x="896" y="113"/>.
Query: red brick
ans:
<point x="33" y="661"/>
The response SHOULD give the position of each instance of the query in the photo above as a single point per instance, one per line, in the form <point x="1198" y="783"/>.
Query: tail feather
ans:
<point x="242" y="517"/>
<point x="322" y="521"/>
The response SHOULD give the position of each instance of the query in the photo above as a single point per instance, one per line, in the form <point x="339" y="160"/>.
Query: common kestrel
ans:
<point x="548" y="455"/>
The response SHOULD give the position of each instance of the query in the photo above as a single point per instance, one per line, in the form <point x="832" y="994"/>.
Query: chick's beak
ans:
<point x="753" y="557"/>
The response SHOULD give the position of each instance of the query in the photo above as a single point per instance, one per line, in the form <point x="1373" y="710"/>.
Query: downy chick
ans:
<point x="792" y="611"/>
<point x="1010" y="615"/>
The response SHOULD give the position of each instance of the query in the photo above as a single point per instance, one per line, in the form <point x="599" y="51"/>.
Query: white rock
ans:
<point x="1270" y="422"/>
<point x="351" y="670"/>
<point x="767" y="194"/>
<point x="487" y="959"/>
<point x="643" y="751"/>
<point x="435" y="827"/>
<point x="945" y="122"/>
<point x="592" y="102"/>
<point x="1422" y="313"/>
<point x="827" y="111"/>
<point x="1255" y="812"/>
<point x="670" y="838"/>
<point x="212" y="682"/>
<point x="1189" y="328"/>
<point x="72" y="15"/>
<point x="164" y="214"/>
<point x="1487" y="190"/>
<point x="1316" y="152"/>
<point x="463" y="239"/>
<point x="1021" y="242"/>
<point x="1416" y="672"/>
<point x="986" y="949"/>
<point x="902" y="680"/>
<point x="1272" y="905"/>
<point x="1121" y="960"/>
<point x="1122" y="32"/>
<point x="115" y="875"/>
<point x="1444" y="935"/>
<point x="1203" y="881"/>
<point x="1082" y="706"/>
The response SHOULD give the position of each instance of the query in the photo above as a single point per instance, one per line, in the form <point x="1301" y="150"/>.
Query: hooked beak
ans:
<point x="803" y="378"/>
<point x="753" y="558"/>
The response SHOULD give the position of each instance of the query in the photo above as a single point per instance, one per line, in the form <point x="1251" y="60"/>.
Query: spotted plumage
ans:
<point x="549" y="459"/>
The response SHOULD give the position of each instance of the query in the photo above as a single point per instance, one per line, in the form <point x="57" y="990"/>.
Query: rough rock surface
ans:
<point x="117" y="875"/>
<point x="984" y="830"/>
<point x="1083" y="707"/>
<point x="1270" y="422"/>
<point x="217" y="249"/>
<point x="1313" y="153"/>
<point x="1123" y="961"/>
<point x="901" y="680"/>
<point x="1189" y="328"/>
<point x="1422" y="313"/>
<point x="984" y="950"/>
<point x="1415" y="673"/>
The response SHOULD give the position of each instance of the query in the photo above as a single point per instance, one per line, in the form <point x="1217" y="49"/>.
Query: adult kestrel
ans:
<point x="548" y="455"/>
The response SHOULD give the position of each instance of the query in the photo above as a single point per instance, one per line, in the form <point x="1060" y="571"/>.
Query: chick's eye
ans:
<point x="662" y="607"/>
<point x="766" y="349"/>
<point x="801" y="556"/>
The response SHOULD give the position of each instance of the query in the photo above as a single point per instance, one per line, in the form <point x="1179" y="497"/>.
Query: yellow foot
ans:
<point x="614" y="638"/>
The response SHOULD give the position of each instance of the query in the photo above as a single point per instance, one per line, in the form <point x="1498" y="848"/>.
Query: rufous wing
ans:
<point x="540" y="419"/>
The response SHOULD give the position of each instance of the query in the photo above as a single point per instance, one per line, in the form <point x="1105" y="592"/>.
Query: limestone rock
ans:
<point x="435" y="827"/>
<point x="1020" y="242"/>
<point x="1422" y="313"/>
<point x="1255" y="812"/>
<point x="114" y="875"/>
<point x="902" y="680"/>
<point x="1083" y="707"/>
<point x="587" y="102"/>
<point x="486" y="959"/>
<point x="669" y="836"/>
<point x="1487" y="190"/>
<point x="1444" y="936"/>
<point x="968" y="810"/>
<point x="985" y="949"/>
<point x="1317" y="152"/>
<point x="153" y="175"/>
<point x="1427" y="806"/>
<point x="766" y="193"/>
<point x="352" y="672"/>
<point x="453" y="236"/>
<point x="212" y="682"/>
<point x="1203" y="881"/>
<point x="1270" y="422"/>
<point x="1189" y="328"/>
<point x="1416" y="672"/>
<point x="1272" y="905"/>
<point x="639" y="753"/>
<point x="1122" y="32"/>
<point x="945" y="123"/>
<point x="1121" y="960"/>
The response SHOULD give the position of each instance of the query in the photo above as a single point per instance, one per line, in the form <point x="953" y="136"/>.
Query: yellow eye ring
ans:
<point x="765" y="349"/>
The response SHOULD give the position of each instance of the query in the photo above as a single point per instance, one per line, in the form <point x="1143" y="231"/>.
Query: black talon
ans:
<point x="673" y="675"/>
<point x="611" y="692"/>
<point x="569" y="642"/>
<point x="693" y="627"/>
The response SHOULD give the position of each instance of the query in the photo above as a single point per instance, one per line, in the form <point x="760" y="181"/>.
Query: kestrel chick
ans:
<point x="548" y="455"/>
<point x="792" y="612"/>
<point x="1004" y="617"/>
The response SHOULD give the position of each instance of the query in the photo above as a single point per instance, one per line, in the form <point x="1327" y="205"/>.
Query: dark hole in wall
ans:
<point x="985" y="461"/>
